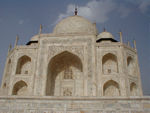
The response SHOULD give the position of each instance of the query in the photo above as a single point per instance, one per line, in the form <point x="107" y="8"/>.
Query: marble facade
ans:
<point x="73" y="70"/>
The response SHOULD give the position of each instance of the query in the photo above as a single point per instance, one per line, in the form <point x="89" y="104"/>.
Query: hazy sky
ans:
<point x="132" y="17"/>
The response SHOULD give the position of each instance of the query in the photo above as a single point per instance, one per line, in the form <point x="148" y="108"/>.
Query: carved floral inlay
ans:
<point x="77" y="50"/>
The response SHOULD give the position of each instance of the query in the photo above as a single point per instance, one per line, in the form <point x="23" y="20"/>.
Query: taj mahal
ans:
<point x="74" y="69"/>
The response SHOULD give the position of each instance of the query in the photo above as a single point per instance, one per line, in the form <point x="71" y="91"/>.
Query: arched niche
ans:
<point x="20" y="88"/>
<point x="131" y="65"/>
<point x="24" y="65"/>
<point x="111" y="88"/>
<point x="63" y="63"/>
<point x="133" y="89"/>
<point x="109" y="64"/>
<point x="8" y="68"/>
<point x="67" y="92"/>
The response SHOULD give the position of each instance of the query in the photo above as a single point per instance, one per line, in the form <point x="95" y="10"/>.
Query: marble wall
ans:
<point x="14" y="104"/>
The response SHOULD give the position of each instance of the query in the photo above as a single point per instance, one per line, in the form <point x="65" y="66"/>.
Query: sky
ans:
<point x="132" y="17"/>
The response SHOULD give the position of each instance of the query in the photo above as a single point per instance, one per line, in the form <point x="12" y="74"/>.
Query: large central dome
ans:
<point x="75" y="24"/>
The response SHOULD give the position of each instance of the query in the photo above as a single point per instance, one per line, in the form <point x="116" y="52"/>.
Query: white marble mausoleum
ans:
<point x="74" y="69"/>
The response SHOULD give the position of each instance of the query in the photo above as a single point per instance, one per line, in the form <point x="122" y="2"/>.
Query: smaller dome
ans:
<point x="105" y="34"/>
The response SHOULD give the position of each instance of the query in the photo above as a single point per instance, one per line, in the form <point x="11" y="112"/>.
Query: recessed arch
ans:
<point x="109" y="64"/>
<point x="59" y="63"/>
<point x="130" y="65"/>
<point x="24" y="65"/>
<point x="133" y="89"/>
<point x="20" y="88"/>
<point x="111" y="88"/>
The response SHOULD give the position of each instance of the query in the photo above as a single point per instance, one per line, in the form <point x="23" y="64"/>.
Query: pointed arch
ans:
<point x="111" y="88"/>
<point x="58" y="64"/>
<point x="20" y="88"/>
<point x="130" y="65"/>
<point x="23" y="65"/>
<point x="133" y="89"/>
<point x="109" y="64"/>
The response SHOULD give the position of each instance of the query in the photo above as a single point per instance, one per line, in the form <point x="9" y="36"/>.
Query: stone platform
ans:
<point x="14" y="104"/>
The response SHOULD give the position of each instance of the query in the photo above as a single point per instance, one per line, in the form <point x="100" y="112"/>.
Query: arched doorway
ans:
<point x="133" y="89"/>
<point x="131" y="66"/>
<point x="24" y="65"/>
<point x="20" y="88"/>
<point x="111" y="88"/>
<point x="63" y="71"/>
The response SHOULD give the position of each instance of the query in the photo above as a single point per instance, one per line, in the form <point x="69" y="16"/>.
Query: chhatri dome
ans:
<point x="105" y="34"/>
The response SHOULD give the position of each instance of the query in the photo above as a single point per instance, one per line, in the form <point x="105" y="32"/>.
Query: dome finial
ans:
<point x="104" y="29"/>
<point x="76" y="11"/>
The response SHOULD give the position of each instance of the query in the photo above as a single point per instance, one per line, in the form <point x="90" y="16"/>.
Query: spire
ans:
<point x="10" y="46"/>
<point x="76" y="11"/>
<point x="94" y="24"/>
<point x="128" y="43"/>
<point x="134" y="44"/>
<point x="121" y="37"/>
<point x="16" y="42"/>
<point x="9" y="49"/>
<point x="41" y="27"/>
